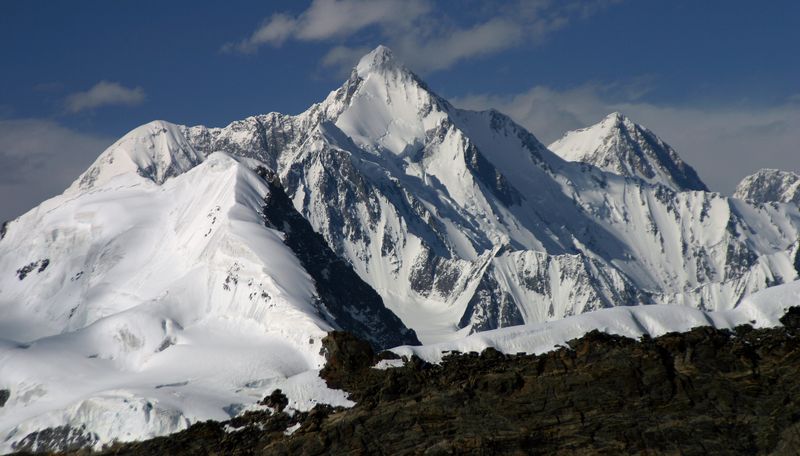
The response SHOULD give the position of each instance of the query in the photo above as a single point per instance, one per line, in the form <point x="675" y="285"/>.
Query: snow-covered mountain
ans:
<point x="618" y="145"/>
<point x="463" y="221"/>
<point x="164" y="287"/>
<point x="770" y="185"/>
<point x="191" y="270"/>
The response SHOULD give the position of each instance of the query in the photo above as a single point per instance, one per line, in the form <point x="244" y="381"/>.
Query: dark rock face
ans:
<point x="434" y="274"/>
<point x="491" y="177"/>
<point x="276" y="400"/>
<point x="38" y="265"/>
<point x="648" y="144"/>
<point x="345" y="355"/>
<point x="791" y="321"/>
<point x="490" y="308"/>
<point x="4" y="395"/>
<point x="702" y="392"/>
<point x="346" y="300"/>
<point x="62" y="438"/>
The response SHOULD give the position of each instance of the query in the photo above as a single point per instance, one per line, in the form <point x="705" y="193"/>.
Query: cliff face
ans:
<point x="701" y="392"/>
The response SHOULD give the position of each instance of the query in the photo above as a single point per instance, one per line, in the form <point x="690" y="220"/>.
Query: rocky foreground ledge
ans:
<point x="706" y="391"/>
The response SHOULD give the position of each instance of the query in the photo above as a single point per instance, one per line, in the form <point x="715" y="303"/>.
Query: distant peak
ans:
<point x="618" y="145"/>
<point x="770" y="185"/>
<point x="380" y="58"/>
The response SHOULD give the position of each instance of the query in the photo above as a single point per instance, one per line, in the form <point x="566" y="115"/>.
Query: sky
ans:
<point x="718" y="80"/>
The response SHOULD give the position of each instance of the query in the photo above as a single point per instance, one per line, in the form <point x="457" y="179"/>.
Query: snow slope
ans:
<point x="768" y="186"/>
<point x="148" y="296"/>
<point x="618" y="145"/>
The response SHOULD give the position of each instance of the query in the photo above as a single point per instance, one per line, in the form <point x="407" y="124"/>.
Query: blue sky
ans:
<point x="716" y="79"/>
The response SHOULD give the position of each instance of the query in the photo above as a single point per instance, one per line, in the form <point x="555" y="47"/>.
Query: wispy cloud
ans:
<point x="326" y="19"/>
<point x="723" y="142"/>
<point x="104" y="93"/>
<point x="424" y="36"/>
<point x="39" y="159"/>
<point x="343" y="57"/>
<point x="443" y="51"/>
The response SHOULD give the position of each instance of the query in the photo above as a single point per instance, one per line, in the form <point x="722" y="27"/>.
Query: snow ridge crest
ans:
<point x="156" y="151"/>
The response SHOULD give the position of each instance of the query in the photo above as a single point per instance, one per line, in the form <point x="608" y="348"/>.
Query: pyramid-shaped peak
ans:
<point x="380" y="58"/>
<point x="621" y="146"/>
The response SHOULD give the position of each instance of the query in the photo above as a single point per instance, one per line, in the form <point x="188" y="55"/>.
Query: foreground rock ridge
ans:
<point x="706" y="391"/>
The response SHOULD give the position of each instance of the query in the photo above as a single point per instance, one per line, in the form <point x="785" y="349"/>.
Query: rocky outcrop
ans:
<point x="768" y="186"/>
<point x="63" y="438"/>
<point x="701" y="392"/>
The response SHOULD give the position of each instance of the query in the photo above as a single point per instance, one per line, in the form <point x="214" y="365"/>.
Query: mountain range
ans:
<point x="192" y="270"/>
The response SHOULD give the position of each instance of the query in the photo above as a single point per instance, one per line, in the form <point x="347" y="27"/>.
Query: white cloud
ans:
<point x="546" y="112"/>
<point x="724" y="143"/>
<point x="326" y="19"/>
<point x="443" y="51"/>
<point x="337" y="18"/>
<point x="39" y="159"/>
<point x="343" y="58"/>
<point x="104" y="93"/>
<point x="423" y="36"/>
<point x="275" y="31"/>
